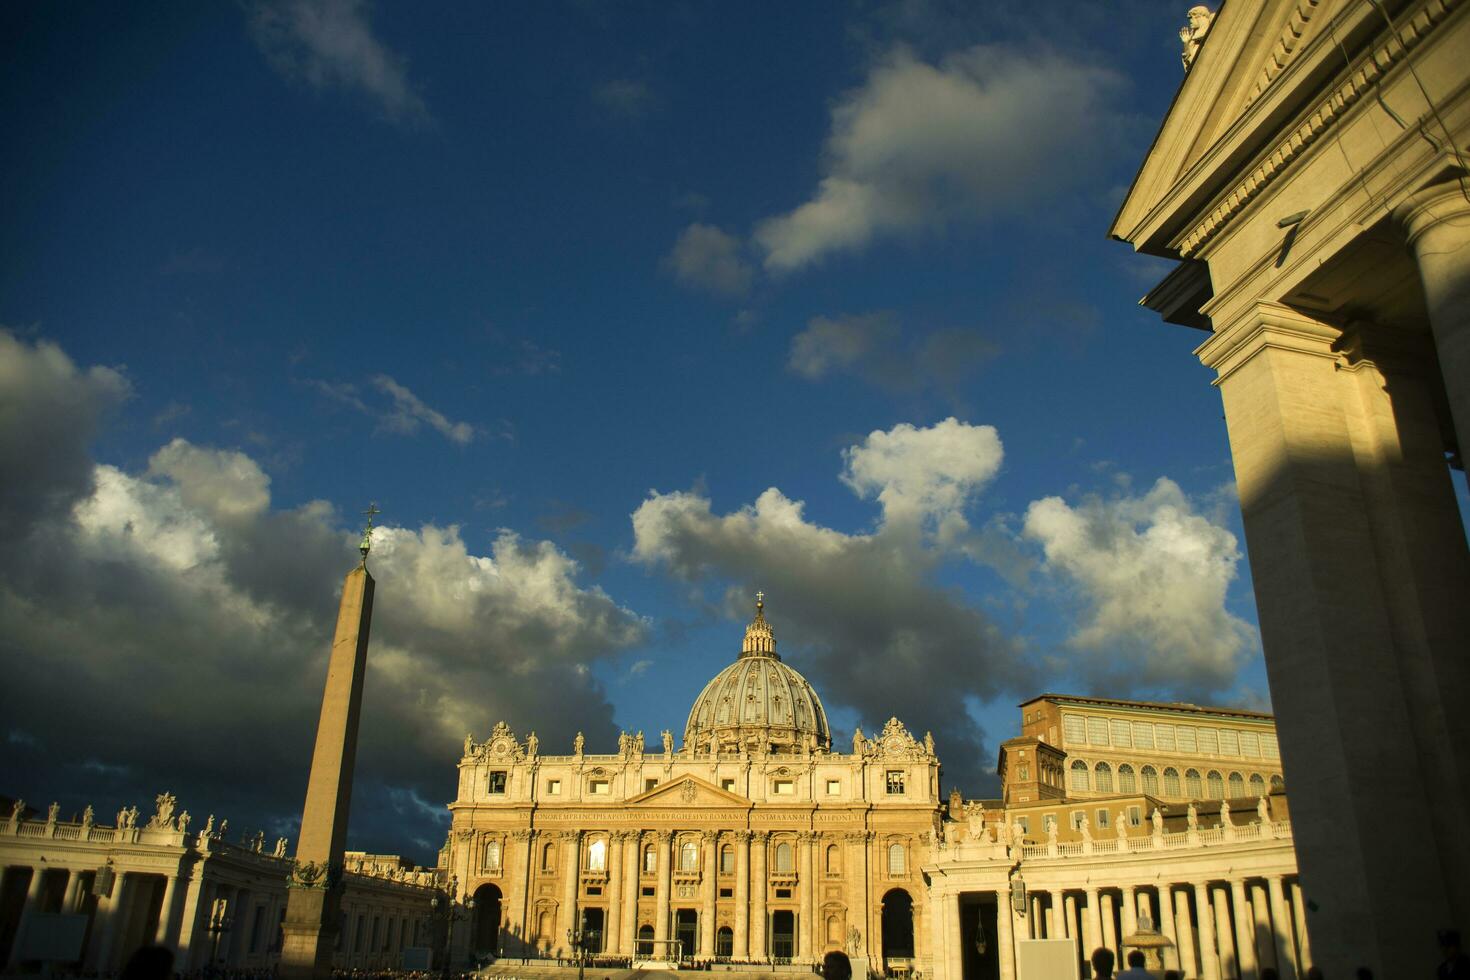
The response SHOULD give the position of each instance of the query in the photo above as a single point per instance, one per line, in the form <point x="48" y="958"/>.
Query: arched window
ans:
<point x="544" y="927"/>
<point x="548" y="857"/>
<point x="650" y="860"/>
<point x="597" y="856"/>
<point x="1216" y="785"/>
<point x="725" y="942"/>
<point x="1150" y="780"/>
<point x="1192" y="787"/>
<point x="1258" y="785"/>
<point x="783" y="858"/>
<point x="1079" y="775"/>
<point x="727" y="860"/>
<point x="689" y="856"/>
<point x="1127" y="783"/>
<point x="645" y="940"/>
<point x="1104" y="776"/>
<point x="896" y="859"/>
<point x="492" y="856"/>
<point x="1277" y="784"/>
<point x="1237" y="785"/>
<point x="834" y="860"/>
<point x="1171" y="781"/>
<point x="834" y="931"/>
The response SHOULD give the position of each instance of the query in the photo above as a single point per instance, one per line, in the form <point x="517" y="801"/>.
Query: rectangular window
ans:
<point x="1077" y="816"/>
<point x="727" y="893"/>
<point x="1135" y="816"/>
<point x="598" y="787"/>
<point x="1209" y="743"/>
<point x="728" y="785"/>
<point x="649" y="784"/>
<point x="553" y="787"/>
<point x="594" y="889"/>
<point x="783" y="892"/>
<point x="834" y="787"/>
<point x="1186" y="738"/>
<point x="1121" y="736"/>
<point x="1102" y="820"/>
<point x="1025" y="823"/>
<point x="1229" y="742"/>
<point x="1097" y="731"/>
<point x="1250" y="745"/>
<point x="1143" y="735"/>
<point x="649" y="892"/>
<point x="1268" y="747"/>
<point x="727" y="860"/>
<point x="1164" y="736"/>
<point x="895" y="782"/>
<point x="1072" y="728"/>
<point x="497" y="781"/>
<point x="783" y="787"/>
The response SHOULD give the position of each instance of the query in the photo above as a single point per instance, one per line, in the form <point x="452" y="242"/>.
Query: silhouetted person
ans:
<point x="1269" y="973"/>
<point x="1454" y="964"/>
<point x="1135" y="970"/>
<point x="1171" y="975"/>
<point x="836" y="966"/>
<point x="1102" y="963"/>
<point x="149" y="963"/>
<point x="1315" y="973"/>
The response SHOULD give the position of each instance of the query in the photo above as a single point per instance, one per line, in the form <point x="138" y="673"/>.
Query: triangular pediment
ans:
<point x="1241" y="69"/>
<point x="687" y="791"/>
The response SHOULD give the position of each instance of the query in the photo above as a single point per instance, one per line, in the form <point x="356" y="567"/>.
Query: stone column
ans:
<point x="612" y="929"/>
<point x="1265" y="935"/>
<point x="117" y="914"/>
<point x="1355" y="553"/>
<point x="1092" y="934"/>
<point x="1245" y="939"/>
<point x="1052" y="914"/>
<point x="1005" y="935"/>
<point x="1224" y="939"/>
<point x="1209" y="960"/>
<point x="1130" y="914"/>
<point x="809" y="886"/>
<point x="73" y="886"/>
<point x="741" y="948"/>
<point x="855" y="868"/>
<point x="953" y="950"/>
<point x="1299" y="918"/>
<point x="1170" y="929"/>
<point x="1069" y="918"/>
<point x="571" y="852"/>
<point x="1184" y="933"/>
<point x="1281" y="929"/>
<point x="32" y="901"/>
<point x="661" y="902"/>
<point x="1109" y="925"/>
<point x="1038" y="925"/>
<point x="632" y="870"/>
<point x="759" y="888"/>
<point x="166" y="910"/>
<point x="527" y="839"/>
<point x="709" y="882"/>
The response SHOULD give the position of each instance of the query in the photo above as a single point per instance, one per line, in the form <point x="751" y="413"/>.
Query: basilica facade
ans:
<point x="754" y="840"/>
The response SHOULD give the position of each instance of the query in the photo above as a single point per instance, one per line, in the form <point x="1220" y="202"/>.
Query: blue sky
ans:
<point x="586" y="297"/>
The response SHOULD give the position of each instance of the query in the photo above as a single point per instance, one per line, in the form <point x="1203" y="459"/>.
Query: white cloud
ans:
<point x="1150" y="576"/>
<point x="875" y="348"/>
<point x="331" y="43"/>
<point x="409" y="411"/>
<point x="918" y="145"/>
<point x="864" y="613"/>
<point x="184" y="621"/>
<point x="706" y="257"/>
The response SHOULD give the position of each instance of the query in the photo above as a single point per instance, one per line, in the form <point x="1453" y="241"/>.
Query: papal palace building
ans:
<point x="1312" y="182"/>
<point x="757" y="841"/>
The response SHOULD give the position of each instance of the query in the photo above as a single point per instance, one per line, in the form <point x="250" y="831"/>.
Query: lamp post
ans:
<point x="447" y="910"/>
<point x="577" y="938"/>
<point x="220" y="921"/>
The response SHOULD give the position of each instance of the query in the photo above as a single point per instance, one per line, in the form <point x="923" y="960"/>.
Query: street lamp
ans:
<point x="577" y="939"/>
<point x="451" y="913"/>
<point x="220" y="921"/>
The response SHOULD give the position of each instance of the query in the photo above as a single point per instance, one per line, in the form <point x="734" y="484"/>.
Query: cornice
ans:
<point x="1327" y="113"/>
<point x="1291" y="35"/>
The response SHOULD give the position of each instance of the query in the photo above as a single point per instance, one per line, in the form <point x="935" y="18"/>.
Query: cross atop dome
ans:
<point x="760" y="641"/>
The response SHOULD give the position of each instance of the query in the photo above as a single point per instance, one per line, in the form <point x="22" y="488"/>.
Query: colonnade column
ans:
<point x="741" y="950"/>
<point x="1005" y="935"/>
<point x="632" y="868"/>
<point x="1069" y="918"/>
<point x="73" y="886"/>
<point x="953" y="949"/>
<point x="1052" y="915"/>
<point x="758" y="889"/>
<point x="1245" y="940"/>
<point x="166" y="909"/>
<point x="1110" y="929"/>
<point x="1265" y="935"/>
<point x="571" y="851"/>
<point x="1093" y="936"/>
<point x="1299" y="916"/>
<point x="1173" y="955"/>
<point x="809" y="888"/>
<point x="32" y="899"/>
<point x="1129" y="917"/>
<point x="117" y="907"/>
<point x="1184" y="929"/>
<point x="1281" y="929"/>
<point x="661" y="900"/>
<point x="1224" y="937"/>
<point x="1209" y="960"/>
<point x="612" y="929"/>
<point x="1038" y="925"/>
<point x="708" y="884"/>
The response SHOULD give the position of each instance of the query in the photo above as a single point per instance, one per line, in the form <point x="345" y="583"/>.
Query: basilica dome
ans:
<point x="757" y="702"/>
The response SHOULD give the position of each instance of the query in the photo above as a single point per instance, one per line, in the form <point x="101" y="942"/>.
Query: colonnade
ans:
<point x="1227" y="928"/>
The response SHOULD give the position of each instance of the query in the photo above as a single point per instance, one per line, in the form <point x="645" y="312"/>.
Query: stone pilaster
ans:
<point x="612" y="927"/>
<point x="312" y="908"/>
<point x="567" y="919"/>
<point x="741" y="949"/>
<point x="809" y="888"/>
<point x="661" y="901"/>
<point x="632" y="868"/>
<point x="709" y="878"/>
<point x="759" y="889"/>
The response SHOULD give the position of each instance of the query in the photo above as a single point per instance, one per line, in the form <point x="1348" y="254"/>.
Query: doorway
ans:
<point x="686" y="930"/>
<point x="592" y="920"/>
<point x="486" y="934"/>
<point x="783" y="934"/>
<point x="898" y="927"/>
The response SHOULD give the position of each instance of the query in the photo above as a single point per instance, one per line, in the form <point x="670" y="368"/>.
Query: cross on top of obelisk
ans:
<point x="367" y="531"/>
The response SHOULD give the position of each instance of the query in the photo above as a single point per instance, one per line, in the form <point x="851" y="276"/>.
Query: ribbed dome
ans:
<point x="757" y="701"/>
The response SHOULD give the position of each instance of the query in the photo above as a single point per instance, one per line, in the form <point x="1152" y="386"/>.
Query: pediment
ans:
<point x="1253" y="63"/>
<point x="685" y="792"/>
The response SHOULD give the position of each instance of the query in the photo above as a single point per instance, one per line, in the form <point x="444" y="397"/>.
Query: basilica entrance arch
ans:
<point x="486" y="941"/>
<point x="898" y="929"/>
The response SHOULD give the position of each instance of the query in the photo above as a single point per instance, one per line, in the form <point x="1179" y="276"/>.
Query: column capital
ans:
<point x="807" y="836"/>
<point x="760" y="836"/>
<point x="663" y="836"/>
<point x="1266" y="325"/>
<point x="742" y="836"/>
<point x="709" y="836"/>
<point x="569" y="836"/>
<point x="1433" y="204"/>
<point x="522" y="834"/>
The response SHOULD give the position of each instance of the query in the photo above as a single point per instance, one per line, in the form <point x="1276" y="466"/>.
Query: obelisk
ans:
<point x="314" y="890"/>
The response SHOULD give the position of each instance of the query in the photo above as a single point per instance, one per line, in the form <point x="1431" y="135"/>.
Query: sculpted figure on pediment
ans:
<point x="577" y="744"/>
<point x="975" y="819"/>
<point x="88" y="815"/>
<point x="533" y="744"/>
<point x="184" y="819"/>
<point x="1192" y="34"/>
<point x="52" y="812"/>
